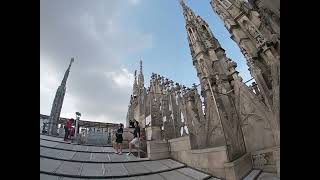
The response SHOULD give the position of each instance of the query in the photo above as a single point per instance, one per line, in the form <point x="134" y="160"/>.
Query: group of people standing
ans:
<point x="68" y="129"/>
<point x="135" y="141"/>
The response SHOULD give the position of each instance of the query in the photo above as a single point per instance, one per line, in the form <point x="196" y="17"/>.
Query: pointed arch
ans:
<point x="191" y="35"/>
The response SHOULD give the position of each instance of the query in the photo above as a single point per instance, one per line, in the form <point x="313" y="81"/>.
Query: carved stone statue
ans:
<point x="196" y="122"/>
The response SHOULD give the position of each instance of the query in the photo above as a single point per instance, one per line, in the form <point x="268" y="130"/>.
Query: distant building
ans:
<point x="89" y="126"/>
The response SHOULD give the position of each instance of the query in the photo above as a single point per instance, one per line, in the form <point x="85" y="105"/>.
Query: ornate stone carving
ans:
<point x="195" y="121"/>
<point x="259" y="161"/>
<point x="225" y="3"/>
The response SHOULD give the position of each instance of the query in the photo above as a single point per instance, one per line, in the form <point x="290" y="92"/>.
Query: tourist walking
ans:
<point x="136" y="137"/>
<point x="119" y="139"/>
<point x="67" y="127"/>
<point x="71" y="131"/>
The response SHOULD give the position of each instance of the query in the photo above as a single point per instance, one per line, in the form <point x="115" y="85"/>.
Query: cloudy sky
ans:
<point x="107" y="38"/>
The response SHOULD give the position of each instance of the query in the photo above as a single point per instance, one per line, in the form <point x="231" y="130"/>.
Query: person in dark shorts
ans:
<point x="119" y="139"/>
<point x="136" y="137"/>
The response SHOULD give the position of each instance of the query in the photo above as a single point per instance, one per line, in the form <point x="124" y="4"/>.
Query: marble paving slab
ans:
<point x="48" y="177"/>
<point x="95" y="149"/>
<point x="115" y="169"/>
<point x="80" y="148"/>
<point x="174" y="175"/>
<point x="67" y="155"/>
<point x="136" y="168"/>
<point x="193" y="173"/>
<point x="99" y="157"/>
<point x="268" y="176"/>
<point x="92" y="169"/>
<point x="150" y="177"/>
<point x="82" y="156"/>
<point x="65" y="146"/>
<point x="68" y="178"/>
<point x="49" y="165"/>
<point x="155" y="166"/>
<point x="50" y="152"/>
<point x="127" y="178"/>
<point x="70" y="168"/>
<point x="118" y="158"/>
<point x="252" y="175"/>
<point x="171" y="163"/>
<point x="48" y="143"/>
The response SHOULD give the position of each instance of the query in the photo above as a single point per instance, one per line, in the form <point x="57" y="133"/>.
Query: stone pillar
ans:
<point x="153" y="133"/>
<point x="158" y="149"/>
<point x="76" y="128"/>
<point x="61" y="131"/>
<point x="276" y="155"/>
<point x="53" y="128"/>
<point x="238" y="168"/>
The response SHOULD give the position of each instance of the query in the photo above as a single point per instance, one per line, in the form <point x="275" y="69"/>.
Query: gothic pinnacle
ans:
<point x="140" y="66"/>
<point x="182" y="3"/>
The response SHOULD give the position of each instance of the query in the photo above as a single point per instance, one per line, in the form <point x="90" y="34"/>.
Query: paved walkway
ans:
<point x="65" y="161"/>
<point x="57" y="139"/>
<point x="61" y="161"/>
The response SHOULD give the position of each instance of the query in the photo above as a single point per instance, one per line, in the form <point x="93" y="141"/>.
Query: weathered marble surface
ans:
<point x="268" y="176"/>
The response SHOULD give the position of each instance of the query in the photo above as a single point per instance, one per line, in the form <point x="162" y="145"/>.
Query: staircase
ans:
<point x="63" y="161"/>
<point x="68" y="161"/>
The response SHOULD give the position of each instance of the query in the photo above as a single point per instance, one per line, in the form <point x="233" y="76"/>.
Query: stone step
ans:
<point x="268" y="176"/>
<point x="253" y="175"/>
<point x="79" y="148"/>
<point x="193" y="173"/>
<point x="167" y="175"/>
<point x="50" y="138"/>
<point x="74" y="156"/>
<point x="109" y="170"/>
<point x="60" y="140"/>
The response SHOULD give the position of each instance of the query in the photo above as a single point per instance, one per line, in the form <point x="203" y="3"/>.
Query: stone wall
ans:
<point x="210" y="160"/>
<point x="157" y="149"/>
<point x="239" y="168"/>
<point x="267" y="160"/>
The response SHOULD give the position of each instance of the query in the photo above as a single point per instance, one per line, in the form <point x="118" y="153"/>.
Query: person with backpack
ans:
<point x="67" y="127"/>
<point x="119" y="139"/>
<point x="136" y="137"/>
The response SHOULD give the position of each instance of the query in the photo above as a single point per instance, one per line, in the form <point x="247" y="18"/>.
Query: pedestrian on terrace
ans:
<point x="67" y="127"/>
<point x="119" y="139"/>
<point x="136" y="137"/>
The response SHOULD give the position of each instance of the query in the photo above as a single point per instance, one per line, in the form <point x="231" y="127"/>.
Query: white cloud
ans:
<point x="99" y="85"/>
<point x="122" y="79"/>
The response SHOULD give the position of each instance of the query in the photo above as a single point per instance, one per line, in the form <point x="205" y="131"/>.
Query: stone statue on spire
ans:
<point x="141" y="77"/>
<point x="135" y="85"/>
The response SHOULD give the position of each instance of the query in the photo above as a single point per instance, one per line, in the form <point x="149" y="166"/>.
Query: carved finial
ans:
<point x="171" y="82"/>
<point x="162" y="79"/>
<point x="140" y="66"/>
<point x="178" y="87"/>
<point x="194" y="86"/>
<point x="182" y="3"/>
